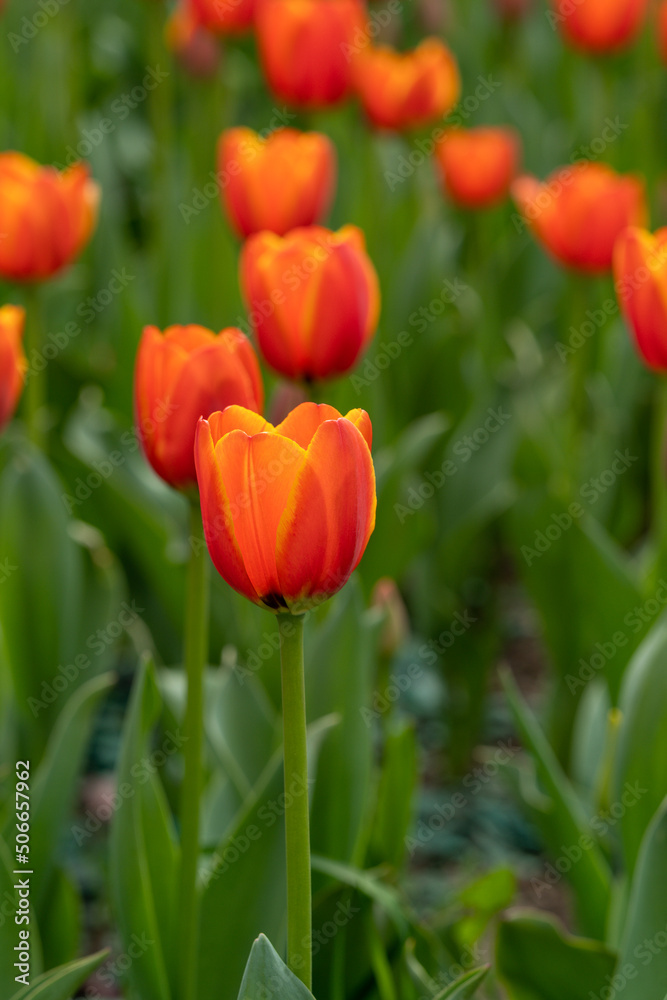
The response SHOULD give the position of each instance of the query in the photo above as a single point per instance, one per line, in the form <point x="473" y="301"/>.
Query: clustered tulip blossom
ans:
<point x="599" y="25"/>
<point x="277" y="183"/>
<point x="305" y="46"/>
<point x="477" y="165"/>
<point x="181" y="375"/>
<point x="640" y="272"/>
<point x="406" y="90"/>
<point x="579" y="212"/>
<point x="287" y="510"/>
<point x="313" y="298"/>
<point x="46" y="216"/>
<point x="13" y="364"/>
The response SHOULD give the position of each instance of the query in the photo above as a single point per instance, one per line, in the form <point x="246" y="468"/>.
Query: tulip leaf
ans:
<point x="395" y="806"/>
<point x="143" y="850"/>
<point x="54" y="785"/>
<point x="339" y="660"/>
<point x="564" y="821"/>
<point x="266" y="973"/>
<point x="537" y="960"/>
<point x="643" y="962"/>
<point x="61" y="983"/>
<point x="643" y="705"/>
<point x="464" y="987"/>
<point x="249" y="864"/>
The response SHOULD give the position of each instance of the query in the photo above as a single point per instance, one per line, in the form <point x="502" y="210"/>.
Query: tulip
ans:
<point x="406" y="90"/>
<point x="640" y="272"/>
<point x="46" y="216"/>
<point x="225" y="17"/>
<point x="193" y="45"/>
<point x="13" y="364"/>
<point x="287" y="510"/>
<point x="278" y="183"/>
<point x="181" y="375"/>
<point x="578" y="213"/>
<point x="313" y="298"/>
<point x="477" y="165"/>
<point x="599" y="25"/>
<point x="306" y="48"/>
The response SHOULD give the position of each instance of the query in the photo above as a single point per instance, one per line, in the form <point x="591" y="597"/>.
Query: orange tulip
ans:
<point x="13" y="364"/>
<point x="599" y="25"/>
<point x="278" y="183"/>
<point x="662" y="30"/>
<point x="227" y="17"/>
<point x="640" y="272"/>
<point x="46" y="217"/>
<point x="405" y="90"/>
<point x="477" y="165"/>
<point x="287" y="510"/>
<point x="305" y="48"/>
<point x="313" y="298"/>
<point x="578" y="213"/>
<point x="180" y="376"/>
<point x="193" y="45"/>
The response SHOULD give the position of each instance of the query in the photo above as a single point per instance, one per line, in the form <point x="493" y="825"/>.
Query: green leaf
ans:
<point x="395" y="806"/>
<point x="248" y="865"/>
<point x="7" y="926"/>
<point x="368" y="883"/>
<point x="61" y="983"/>
<point x="339" y="666"/>
<point x="465" y="987"/>
<point x="640" y="766"/>
<point x="143" y="851"/>
<point x="537" y="960"/>
<point x="564" y="821"/>
<point x="55" y="781"/>
<point x="643" y="961"/>
<point x="266" y="973"/>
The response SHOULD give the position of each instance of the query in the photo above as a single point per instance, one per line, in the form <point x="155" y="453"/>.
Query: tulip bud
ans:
<point x="13" y="364"/>
<point x="278" y="183"/>
<point x="307" y="46"/>
<point x="46" y="216"/>
<point x="287" y="510"/>
<point x="407" y="90"/>
<point x="640" y="273"/>
<point x="184" y="374"/>
<point x="192" y="44"/>
<point x="313" y="297"/>
<point x="387" y="597"/>
<point x="477" y="165"/>
<point x="578" y="213"/>
<point x="599" y="25"/>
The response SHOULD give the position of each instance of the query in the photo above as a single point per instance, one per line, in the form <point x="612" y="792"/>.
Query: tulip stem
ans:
<point x="297" y="820"/>
<point x="35" y="389"/>
<point x="196" y="648"/>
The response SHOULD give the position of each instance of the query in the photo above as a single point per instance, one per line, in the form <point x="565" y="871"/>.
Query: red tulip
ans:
<point x="477" y="165"/>
<point x="305" y="48"/>
<point x="13" y="364"/>
<point x="227" y="17"/>
<point x="313" y="298"/>
<point x="599" y="25"/>
<point x="640" y="272"/>
<point x="194" y="46"/>
<point x="180" y="376"/>
<point x="278" y="183"/>
<point x="46" y="217"/>
<point x="406" y="90"/>
<point x="287" y="510"/>
<point x="579" y="212"/>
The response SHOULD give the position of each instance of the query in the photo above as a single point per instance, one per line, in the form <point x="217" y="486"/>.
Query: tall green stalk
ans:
<point x="196" y="647"/>
<point x="35" y="389"/>
<point x="297" y="820"/>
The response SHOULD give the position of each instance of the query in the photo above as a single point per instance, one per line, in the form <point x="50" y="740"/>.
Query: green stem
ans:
<point x="35" y="390"/>
<point x="297" y="820"/>
<point x="659" y="476"/>
<point x="160" y="107"/>
<point x="196" y="648"/>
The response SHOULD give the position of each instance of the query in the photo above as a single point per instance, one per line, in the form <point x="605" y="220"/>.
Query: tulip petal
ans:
<point x="217" y="516"/>
<point x="329" y="515"/>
